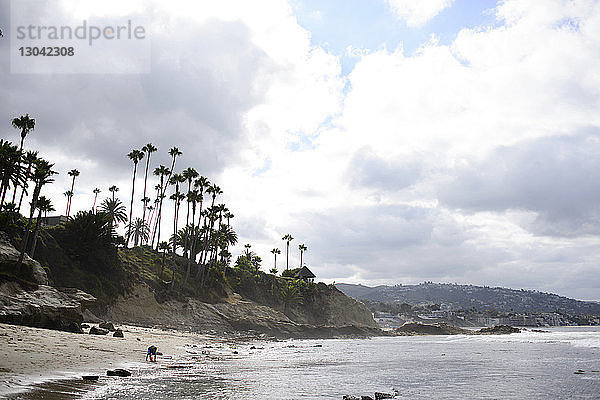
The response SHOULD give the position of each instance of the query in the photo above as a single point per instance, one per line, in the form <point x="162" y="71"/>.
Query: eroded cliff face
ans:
<point x="330" y="307"/>
<point x="338" y="315"/>
<point x="9" y="257"/>
<point x="26" y="298"/>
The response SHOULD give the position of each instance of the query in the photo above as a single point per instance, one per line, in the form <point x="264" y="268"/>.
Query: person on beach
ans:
<point x="151" y="354"/>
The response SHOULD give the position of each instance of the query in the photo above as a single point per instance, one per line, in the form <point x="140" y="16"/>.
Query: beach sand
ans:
<point x="32" y="355"/>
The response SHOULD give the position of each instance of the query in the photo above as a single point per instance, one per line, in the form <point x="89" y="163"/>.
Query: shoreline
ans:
<point x="31" y="357"/>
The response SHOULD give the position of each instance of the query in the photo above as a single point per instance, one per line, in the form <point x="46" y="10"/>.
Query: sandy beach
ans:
<point x="32" y="355"/>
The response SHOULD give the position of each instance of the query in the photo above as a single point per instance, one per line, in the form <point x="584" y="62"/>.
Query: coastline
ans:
<point x="32" y="356"/>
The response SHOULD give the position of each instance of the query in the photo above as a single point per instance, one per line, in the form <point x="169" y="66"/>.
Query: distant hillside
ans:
<point x="466" y="297"/>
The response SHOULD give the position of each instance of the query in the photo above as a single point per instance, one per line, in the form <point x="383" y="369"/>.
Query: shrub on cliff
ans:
<point x="89" y="230"/>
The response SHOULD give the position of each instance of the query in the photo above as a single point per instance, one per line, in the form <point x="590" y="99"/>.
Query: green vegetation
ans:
<point x="85" y="251"/>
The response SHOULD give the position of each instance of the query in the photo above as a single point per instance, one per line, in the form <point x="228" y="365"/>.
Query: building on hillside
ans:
<point x="55" y="220"/>
<point x="305" y="274"/>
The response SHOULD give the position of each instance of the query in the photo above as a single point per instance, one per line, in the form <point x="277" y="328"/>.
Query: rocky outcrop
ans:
<point x="330" y="307"/>
<point x="236" y="314"/>
<point x="30" y="270"/>
<point x="414" y="328"/>
<point x="26" y="299"/>
<point x="41" y="307"/>
<point x="499" y="330"/>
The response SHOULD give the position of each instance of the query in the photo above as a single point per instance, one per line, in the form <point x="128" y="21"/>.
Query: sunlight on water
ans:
<point x="527" y="365"/>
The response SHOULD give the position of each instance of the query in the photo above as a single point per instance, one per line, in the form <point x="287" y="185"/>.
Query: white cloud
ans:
<point x="358" y="167"/>
<point x="417" y="13"/>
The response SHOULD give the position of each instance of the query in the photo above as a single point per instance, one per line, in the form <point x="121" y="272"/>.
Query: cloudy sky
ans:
<point x="400" y="140"/>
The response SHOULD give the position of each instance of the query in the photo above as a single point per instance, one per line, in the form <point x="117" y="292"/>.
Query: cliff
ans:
<point x="131" y="286"/>
<point x="26" y="298"/>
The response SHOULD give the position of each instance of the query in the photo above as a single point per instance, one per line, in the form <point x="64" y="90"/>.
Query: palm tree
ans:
<point x="138" y="230"/>
<point x="135" y="156"/>
<point x="26" y="124"/>
<point x="302" y="249"/>
<point x="149" y="149"/>
<point x="228" y="215"/>
<point x="96" y="191"/>
<point x="176" y="180"/>
<point x="162" y="172"/>
<point x="42" y="175"/>
<point x="113" y="189"/>
<point x="68" y="194"/>
<point x="145" y="202"/>
<point x="275" y="252"/>
<point x="115" y="210"/>
<point x="29" y="159"/>
<point x="173" y="152"/>
<point x="288" y="238"/>
<point x="10" y="157"/>
<point x="44" y="205"/>
<point x="74" y="173"/>
<point x="189" y="174"/>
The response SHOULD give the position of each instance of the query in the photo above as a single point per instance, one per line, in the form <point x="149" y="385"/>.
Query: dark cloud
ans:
<point x="195" y="98"/>
<point x="555" y="177"/>
<point x="369" y="170"/>
<point x="386" y="242"/>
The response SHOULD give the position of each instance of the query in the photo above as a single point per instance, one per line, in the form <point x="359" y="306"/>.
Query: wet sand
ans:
<point x="34" y="356"/>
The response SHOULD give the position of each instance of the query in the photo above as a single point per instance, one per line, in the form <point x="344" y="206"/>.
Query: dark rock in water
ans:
<point x="90" y="377"/>
<point x="415" y="328"/>
<point x="252" y="347"/>
<point x="347" y="397"/>
<point x="235" y="352"/>
<point x="118" y="372"/>
<point x="318" y="345"/>
<point x="539" y="331"/>
<point x="84" y="326"/>
<point x="118" y="333"/>
<point x="579" y="372"/>
<point x="366" y="398"/>
<point x="107" y="325"/>
<point x="380" y="396"/>
<point x="499" y="330"/>
<point x="98" y="331"/>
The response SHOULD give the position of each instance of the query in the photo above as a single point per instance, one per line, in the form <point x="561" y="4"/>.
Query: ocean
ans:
<point x="563" y="363"/>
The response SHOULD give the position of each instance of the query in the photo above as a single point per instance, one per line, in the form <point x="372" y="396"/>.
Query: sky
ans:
<point x="401" y="141"/>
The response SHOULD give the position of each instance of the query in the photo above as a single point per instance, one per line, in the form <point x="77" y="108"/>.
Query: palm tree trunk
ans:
<point x="5" y="189"/>
<point x="24" y="187"/>
<point x="131" y="205"/>
<point x="287" y="256"/>
<point x="18" y="169"/>
<point x="158" y="217"/>
<point x="187" y="221"/>
<point x="145" y="183"/>
<point x="36" y="193"/>
<point x="174" y="236"/>
<point x="36" y="231"/>
<point x="70" y="197"/>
